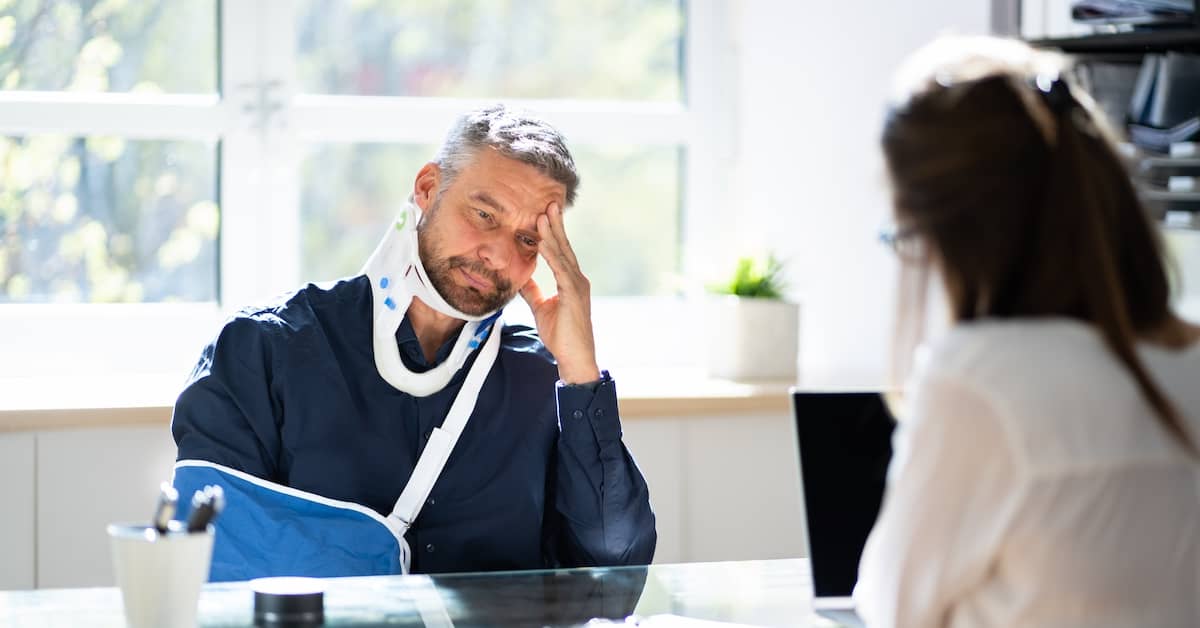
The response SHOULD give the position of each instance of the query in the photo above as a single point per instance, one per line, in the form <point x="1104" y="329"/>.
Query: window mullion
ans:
<point x="134" y="116"/>
<point x="425" y="120"/>
<point x="260" y="164"/>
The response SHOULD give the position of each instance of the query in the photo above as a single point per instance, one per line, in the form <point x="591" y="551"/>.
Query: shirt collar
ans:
<point x="410" y="348"/>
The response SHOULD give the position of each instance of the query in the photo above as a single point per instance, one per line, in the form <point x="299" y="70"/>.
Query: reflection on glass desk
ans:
<point x="759" y="593"/>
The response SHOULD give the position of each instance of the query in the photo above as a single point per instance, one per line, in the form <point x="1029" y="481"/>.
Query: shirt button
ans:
<point x="578" y="414"/>
<point x="431" y="501"/>
<point x="429" y="548"/>
<point x="598" y="413"/>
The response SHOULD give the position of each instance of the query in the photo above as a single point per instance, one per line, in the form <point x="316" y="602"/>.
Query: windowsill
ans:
<point x="43" y="403"/>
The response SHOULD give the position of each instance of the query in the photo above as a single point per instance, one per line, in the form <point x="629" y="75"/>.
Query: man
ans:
<point x="353" y="422"/>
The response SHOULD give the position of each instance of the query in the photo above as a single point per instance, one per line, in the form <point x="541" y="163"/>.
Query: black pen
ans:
<point x="168" y="498"/>
<point x="206" y="505"/>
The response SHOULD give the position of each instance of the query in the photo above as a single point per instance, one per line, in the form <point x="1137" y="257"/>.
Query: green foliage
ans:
<point x="754" y="278"/>
<point x="107" y="219"/>
<point x="109" y="45"/>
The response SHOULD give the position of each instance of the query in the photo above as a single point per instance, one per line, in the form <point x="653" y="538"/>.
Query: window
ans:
<point x="600" y="50"/>
<point x="182" y="158"/>
<point x="149" y="46"/>
<point x="102" y="219"/>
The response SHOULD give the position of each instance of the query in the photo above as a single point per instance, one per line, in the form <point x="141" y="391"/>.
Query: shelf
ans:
<point x="54" y="403"/>
<point x="1169" y="163"/>
<point x="1169" y="197"/>
<point x="1127" y="42"/>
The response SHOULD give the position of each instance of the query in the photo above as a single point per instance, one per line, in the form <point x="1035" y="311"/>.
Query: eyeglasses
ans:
<point x="905" y="242"/>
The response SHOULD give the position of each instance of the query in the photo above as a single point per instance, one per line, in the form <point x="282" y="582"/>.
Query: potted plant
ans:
<point x="753" y="331"/>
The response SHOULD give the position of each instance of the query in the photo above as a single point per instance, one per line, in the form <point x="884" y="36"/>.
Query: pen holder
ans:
<point x="160" y="575"/>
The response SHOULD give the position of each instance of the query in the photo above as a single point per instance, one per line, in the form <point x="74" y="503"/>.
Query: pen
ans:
<point x="168" y="498"/>
<point x="206" y="505"/>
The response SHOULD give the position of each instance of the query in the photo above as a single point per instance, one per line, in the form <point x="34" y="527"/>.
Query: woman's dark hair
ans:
<point x="1029" y="212"/>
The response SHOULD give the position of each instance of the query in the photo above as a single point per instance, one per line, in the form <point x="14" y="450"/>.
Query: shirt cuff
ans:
<point x="589" y="409"/>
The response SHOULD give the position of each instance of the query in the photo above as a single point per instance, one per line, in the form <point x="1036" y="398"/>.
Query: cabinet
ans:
<point x="86" y="479"/>
<point x="17" y="521"/>
<point x="723" y="486"/>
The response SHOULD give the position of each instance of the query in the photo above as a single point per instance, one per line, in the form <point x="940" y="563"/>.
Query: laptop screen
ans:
<point x="845" y="446"/>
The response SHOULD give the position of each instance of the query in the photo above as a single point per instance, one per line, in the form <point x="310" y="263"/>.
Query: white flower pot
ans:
<point x="752" y="338"/>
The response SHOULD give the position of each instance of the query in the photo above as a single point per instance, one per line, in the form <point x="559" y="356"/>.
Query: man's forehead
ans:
<point x="509" y="185"/>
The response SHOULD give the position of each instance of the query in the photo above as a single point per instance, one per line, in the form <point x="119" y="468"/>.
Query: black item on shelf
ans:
<point x="1160" y="140"/>
<point x="1111" y="85"/>
<point x="1176" y="91"/>
<point x="1143" y="89"/>
<point x="1175" y="208"/>
<point x="1136" y="12"/>
<point x="1171" y="211"/>
<point x="1138" y="41"/>
<point x="1154" y="172"/>
<point x="1165" y="105"/>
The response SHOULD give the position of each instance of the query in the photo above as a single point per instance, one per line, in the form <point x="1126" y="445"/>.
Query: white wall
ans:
<point x="808" y="180"/>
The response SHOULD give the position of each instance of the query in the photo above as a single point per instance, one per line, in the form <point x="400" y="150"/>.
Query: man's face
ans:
<point x="478" y="239"/>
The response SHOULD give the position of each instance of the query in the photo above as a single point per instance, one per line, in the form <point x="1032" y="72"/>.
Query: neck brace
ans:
<point x="397" y="276"/>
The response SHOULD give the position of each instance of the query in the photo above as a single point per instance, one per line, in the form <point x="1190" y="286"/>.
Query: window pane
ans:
<point x="598" y="49"/>
<point x="624" y="227"/>
<point x="109" y="46"/>
<point x="106" y="220"/>
<point x="625" y="224"/>
<point x="350" y="194"/>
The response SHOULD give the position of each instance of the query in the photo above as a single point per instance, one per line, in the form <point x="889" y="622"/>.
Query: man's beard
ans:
<point x="466" y="299"/>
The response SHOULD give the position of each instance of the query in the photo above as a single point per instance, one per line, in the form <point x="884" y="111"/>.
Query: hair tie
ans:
<point x="1055" y="92"/>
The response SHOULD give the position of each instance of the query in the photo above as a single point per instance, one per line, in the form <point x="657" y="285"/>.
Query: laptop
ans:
<point x="845" y="444"/>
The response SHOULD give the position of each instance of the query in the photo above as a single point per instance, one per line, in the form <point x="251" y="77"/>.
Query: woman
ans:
<point x="1045" y="470"/>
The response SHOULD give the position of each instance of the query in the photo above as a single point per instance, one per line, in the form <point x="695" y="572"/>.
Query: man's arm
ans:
<point x="227" y="427"/>
<point x="225" y="414"/>
<point x="601" y="498"/>
<point x="564" y="320"/>
<point x="600" y="494"/>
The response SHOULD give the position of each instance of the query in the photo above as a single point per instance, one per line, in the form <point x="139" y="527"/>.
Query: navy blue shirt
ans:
<point x="539" y="477"/>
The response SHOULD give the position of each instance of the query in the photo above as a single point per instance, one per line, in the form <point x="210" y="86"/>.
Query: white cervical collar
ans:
<point x="397" y="276"/>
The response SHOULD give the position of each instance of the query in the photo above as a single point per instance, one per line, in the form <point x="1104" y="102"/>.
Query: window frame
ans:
<point x="260" y="123"/>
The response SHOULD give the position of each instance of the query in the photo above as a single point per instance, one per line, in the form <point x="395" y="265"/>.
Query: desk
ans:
<point x="766" y="593"/>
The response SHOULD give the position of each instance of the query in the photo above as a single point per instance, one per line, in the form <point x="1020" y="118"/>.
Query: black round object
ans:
<point x="292" y="602"/>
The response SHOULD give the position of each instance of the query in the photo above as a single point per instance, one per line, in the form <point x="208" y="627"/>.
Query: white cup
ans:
<point x="160" y="575"/>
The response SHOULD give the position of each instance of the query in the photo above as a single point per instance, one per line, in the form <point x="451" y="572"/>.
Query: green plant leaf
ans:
<point x="754" y="278"/>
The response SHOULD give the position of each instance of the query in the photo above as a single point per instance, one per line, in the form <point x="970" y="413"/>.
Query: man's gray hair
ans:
<point x="514" y="134"/>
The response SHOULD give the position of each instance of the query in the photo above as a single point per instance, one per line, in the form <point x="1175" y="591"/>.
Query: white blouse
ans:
<point x="1032" y="485"/>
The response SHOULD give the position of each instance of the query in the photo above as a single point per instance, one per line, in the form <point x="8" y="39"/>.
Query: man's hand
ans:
<point x="564" y="321"/>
